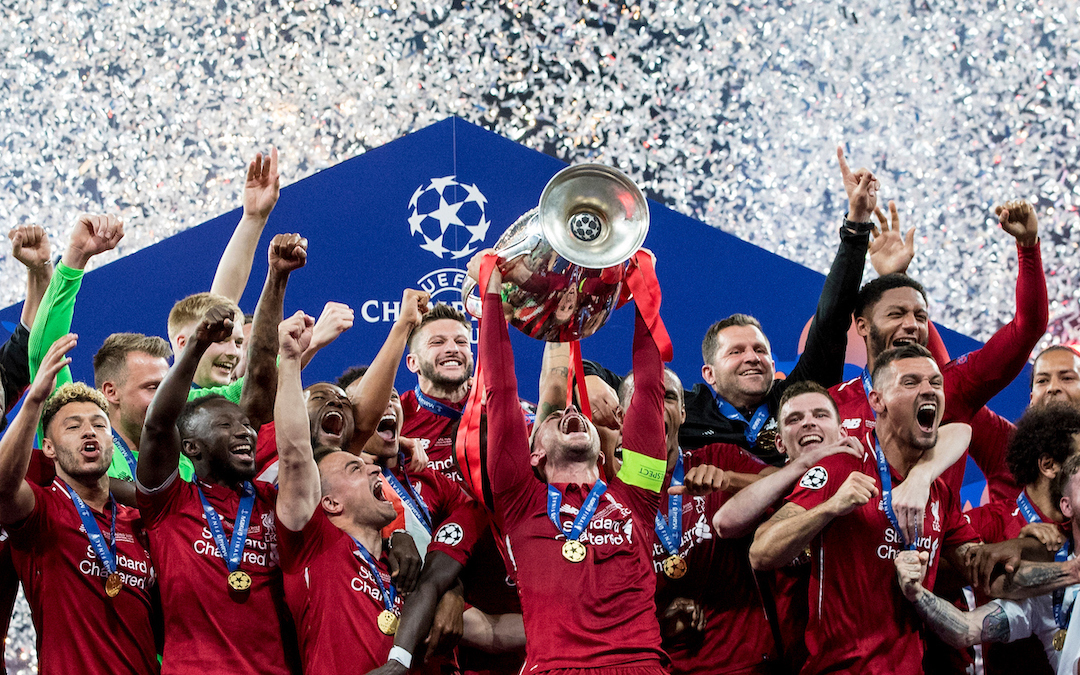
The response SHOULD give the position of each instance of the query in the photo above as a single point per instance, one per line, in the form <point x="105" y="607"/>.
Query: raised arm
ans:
<point x="159" y="446"/>
<point x="746" y="509"/>
<point x="554" y="369"/>
<point x="910" y="497"/>
<point x="374" y="389"/>
<point x="791" y="529"/>
<point x="298" y="475"/>
<point x="287" y="252"/>
<point x="16" y="496"/>
<point x="30" y="246"/>
<point x="960" y="630"/>
<point x="261" y="191"/>
<point x="336" y="318"/>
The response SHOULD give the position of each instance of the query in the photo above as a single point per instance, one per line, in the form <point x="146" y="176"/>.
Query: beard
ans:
<point x="878" y="342"/>
<point x="431" y="373"/>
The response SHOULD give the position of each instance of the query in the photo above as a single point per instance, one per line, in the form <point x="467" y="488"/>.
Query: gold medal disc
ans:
<point x="1059" y="639"/>
<point x="574" y="551"/>
<point x="240" y="581"/>
<point x="113" y="584"/>
<point x="388" y="622"/>
<point x="674" y="567"/>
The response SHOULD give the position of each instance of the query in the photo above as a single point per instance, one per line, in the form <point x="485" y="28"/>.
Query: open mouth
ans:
<point x="453" y="361"/>
<point x="377" y="490"/>
<point x="91" y="449"/>
<point x="926" y="415"/>
<point x="243" y="451"/>
<point x="810" y="438"/>
<point x="572" y="423"/>
<point x="333" y="422"/>
<point x="903" y="341"/>
<point x="387" y="429"/>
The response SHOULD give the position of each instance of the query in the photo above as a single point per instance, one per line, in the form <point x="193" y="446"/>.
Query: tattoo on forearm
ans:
<point x="1038" y="575"/>
<point x="559" y="370"/>
<point x="945" y="620"/>
<point x="995" y="627"/>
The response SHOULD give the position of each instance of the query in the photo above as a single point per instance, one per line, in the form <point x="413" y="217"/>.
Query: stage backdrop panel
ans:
<point x="410" y="214"/>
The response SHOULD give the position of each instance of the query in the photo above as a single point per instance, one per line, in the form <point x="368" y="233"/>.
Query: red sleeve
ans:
<point x="155" y="506"/>
<point x="990" y="434"/>
<point x="33" y="530"/>
<point x="822" y="480"/>
<point x="448" y="497"/>
<point x="265" y="447"/>
<point x="957" y="529"/>
<point x="975" y="378"/>
<point x="643" y="424"/>
<point x="508" y="463"/>
<point x="298" y="549"/>
<point x="936" y="346"/>
<point x="728" y="457"/>
<point x="458" y="534"/>
<point x="988" y="522"/>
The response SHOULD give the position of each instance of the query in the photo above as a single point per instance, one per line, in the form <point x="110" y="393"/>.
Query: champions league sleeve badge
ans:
<point x="815" y="478"/>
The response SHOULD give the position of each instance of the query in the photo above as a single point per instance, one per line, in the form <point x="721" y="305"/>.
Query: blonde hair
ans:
<point x="72" y="392"/>
<point x="192" y="309"/>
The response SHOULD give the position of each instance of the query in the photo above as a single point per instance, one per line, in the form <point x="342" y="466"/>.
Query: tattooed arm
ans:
<point x="989" y="623"/>
<point x="553" y="371"/>
<point x="1032" y="578"/>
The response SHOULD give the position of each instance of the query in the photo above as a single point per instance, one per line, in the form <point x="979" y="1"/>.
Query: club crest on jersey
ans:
<point x="449" y="534"/>
<point x="815" y="478"/>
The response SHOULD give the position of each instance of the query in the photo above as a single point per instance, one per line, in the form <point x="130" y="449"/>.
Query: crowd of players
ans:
<point x="216" y="516"/>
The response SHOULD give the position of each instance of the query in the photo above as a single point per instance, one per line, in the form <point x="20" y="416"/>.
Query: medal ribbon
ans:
<point x="433" y="406"/>
<point x="129" y="456"/>
<point x="670" y="529"/>
<point x="868" y="386"/>
<point x="234" y="551"/>
<point x="409" y="497"/>
<point x="753" y="426"/>
<point x="885" y="475"/>
<point x="106" y="553"/>
<point x="1061" y="615"/>
<point x="389" y="594"/>
<point x="554" y="503"/>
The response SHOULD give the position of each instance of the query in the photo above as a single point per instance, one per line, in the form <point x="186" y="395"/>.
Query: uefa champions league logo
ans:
<point x="449" y="217"/>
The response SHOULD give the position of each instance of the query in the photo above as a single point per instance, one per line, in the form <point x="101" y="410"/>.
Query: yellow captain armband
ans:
<point x="642" y="471"/>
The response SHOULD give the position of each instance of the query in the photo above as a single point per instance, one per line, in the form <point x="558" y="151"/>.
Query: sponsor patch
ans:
<point x="815" y="478"/>
<point x="449" y="534"/>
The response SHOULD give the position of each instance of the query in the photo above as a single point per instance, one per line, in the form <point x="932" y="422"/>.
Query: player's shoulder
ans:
<point x="846" y="389"/>
<point x="725" y="456"/>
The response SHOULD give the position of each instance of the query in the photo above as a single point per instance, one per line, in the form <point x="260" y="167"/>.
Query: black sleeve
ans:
<point x="826" y="342"/>
<point x="594" y="368"/>
<point x="15" y="366"/>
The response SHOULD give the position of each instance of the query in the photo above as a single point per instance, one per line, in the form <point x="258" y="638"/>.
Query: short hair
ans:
<point x="194" y="307"/>
<point x="351" y="375"/>
<point x="439" y="311"/>
<point x="626" y="389"/>
<point x="871" y="292"/>
<point x="805" y="387"/>
<point x="1043" y="430"/>
<point x="708" y="345"/>
<point x="1072" y="349"/>
<point x="72" y="392"/>
<point x="110" y="362"/>
<point x="908" y="351"/>
<point x="185" y="422"/>
<point x="1069" y="469"/>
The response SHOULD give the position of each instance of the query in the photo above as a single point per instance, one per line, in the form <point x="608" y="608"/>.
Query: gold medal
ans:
<point x="388" y="622"/>
<point x="674" y="567"/>
<point x="573" y="550"/>
<point x="1059" y="639"/>
<point x="240" y="581"/>
<point x="113" y="584"/>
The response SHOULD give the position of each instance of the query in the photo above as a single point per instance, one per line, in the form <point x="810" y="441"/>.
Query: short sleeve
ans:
<point x="157" y="504"/>
<point x="459" y="532"/>
<point x="32" y="531"/>
<point x="726" y="456"/>
<point x="823" y="480"/>
<point x="987" y="522"/>
<point x="957" y="528"/>
<point x="1020" y="614"/>
<point x="298" y="549"/>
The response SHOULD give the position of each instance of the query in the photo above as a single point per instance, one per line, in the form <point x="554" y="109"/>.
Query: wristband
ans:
<point x="857" y="228"/>
<point x="401" y="656"/>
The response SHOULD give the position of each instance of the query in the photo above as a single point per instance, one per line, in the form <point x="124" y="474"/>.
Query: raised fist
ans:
<point x="1018" y="219"/>
<point x="294" y="335"/>
<point x="30" y="245"/>
<point x="287" y="252"/>
<point x="216" y="325"/>
<point x="91" y="235"/>
<point x="414" y="305"/>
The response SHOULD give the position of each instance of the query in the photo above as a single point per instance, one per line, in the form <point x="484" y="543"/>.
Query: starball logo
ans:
<point x="448" y="216"/>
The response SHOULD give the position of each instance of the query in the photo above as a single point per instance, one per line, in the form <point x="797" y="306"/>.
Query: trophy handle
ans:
<point x="473" y="303"/>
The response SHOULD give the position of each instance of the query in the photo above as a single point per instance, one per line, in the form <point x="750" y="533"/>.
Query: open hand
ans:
<point x="263" y="184"/>
<point x="891" y="252"/>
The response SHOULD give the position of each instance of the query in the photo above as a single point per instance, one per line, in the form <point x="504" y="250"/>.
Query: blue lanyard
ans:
<point x="129" y="456"/>
<point x="868" y="386"/>
<point x="1027" y="508"/>
<point x="106" y="553"/>
<point x="886" y="492"/>
<point x="409" y="497"/>
<point x="235" y="549"/>
<point x="389" y="594"/>
<point x="670" y="529"/>
<point x="1062" y="554"/>
<point x="554" y="503"/>
<point x="754" y="426"/>
<point x="437" y="407"/>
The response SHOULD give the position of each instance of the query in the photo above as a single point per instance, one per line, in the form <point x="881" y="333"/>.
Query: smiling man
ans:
<point x="215" y="540"/>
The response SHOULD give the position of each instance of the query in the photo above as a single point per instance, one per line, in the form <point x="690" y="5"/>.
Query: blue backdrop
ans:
<point x="411" y="213"/>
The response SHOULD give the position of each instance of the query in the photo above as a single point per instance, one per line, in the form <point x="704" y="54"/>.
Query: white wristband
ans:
<point x="401" y="656"/>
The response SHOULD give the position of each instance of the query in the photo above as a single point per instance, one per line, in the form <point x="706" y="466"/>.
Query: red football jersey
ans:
<point x="334" y="599"/>
<point x="80" y="628"/>
<point x="859" y="620"/>
<point x="737" y="637"/>
<point x="205" y="621"/>
<point x="435" y="431"/>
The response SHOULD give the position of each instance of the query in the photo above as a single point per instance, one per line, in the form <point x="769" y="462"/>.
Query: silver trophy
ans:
<point x="563" y="263"/>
